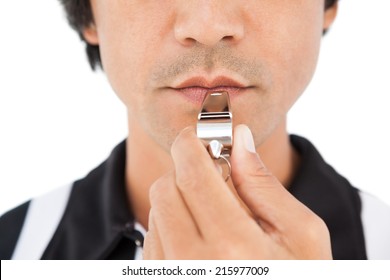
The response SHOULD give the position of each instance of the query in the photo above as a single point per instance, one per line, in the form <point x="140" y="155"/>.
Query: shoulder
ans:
<point x="375" y="215"/>
<point x="359" y="223"/>
<point x="75" y="221"/>
<point x="11" y="224"/>
<point x="26" y="230"/>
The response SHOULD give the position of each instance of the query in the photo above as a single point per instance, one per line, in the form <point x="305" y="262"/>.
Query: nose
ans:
<point x="208" y="22"/>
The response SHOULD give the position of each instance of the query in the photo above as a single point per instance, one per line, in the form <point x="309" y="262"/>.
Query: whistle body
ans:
<point x="215" y="122"/>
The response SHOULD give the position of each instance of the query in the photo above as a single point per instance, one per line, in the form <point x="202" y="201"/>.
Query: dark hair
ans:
<point x="79" y="15"/>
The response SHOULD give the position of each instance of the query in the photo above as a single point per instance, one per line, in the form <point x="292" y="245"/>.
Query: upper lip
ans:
<point x="203" y="82"/>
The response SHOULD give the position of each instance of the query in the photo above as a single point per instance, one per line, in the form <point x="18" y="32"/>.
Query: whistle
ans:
<point x="215" y="127"/>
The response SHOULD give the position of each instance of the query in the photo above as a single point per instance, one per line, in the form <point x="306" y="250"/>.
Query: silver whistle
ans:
<point x="215" y="127"/>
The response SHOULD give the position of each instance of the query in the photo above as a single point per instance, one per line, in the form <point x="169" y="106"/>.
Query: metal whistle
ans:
<point x="215" y="127"/>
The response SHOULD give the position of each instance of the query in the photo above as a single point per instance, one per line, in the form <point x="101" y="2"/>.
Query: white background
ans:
<point x="113" y="270"/>
<point x="58" y="119"/>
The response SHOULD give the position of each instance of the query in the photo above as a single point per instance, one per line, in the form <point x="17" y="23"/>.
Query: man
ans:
<point x="161" y="58"/>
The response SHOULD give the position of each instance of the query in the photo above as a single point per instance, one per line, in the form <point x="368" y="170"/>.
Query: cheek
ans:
<point x="163" y="117"/>
<point x="297" y="53"/>
<point x="288" y="37"/>
<point x="289" y="46"/>
<point x="297" y="69"/>
<point x="128" y="46"/>
<point x="122" y="64"/>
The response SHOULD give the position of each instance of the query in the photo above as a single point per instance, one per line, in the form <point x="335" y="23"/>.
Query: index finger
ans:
<point x="209" y="199"/>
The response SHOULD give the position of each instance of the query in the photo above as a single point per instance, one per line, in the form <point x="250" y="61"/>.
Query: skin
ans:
<point x="270" y="48"/>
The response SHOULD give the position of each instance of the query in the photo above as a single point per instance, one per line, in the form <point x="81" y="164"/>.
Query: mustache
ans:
<point x="208" y="59"/>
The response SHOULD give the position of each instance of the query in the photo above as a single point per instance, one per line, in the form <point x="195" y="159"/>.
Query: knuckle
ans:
<point x="190" y="179"/>
<point x="158" y="190"/>
<point x="317" y="234"/>
<point x="260" y="172"/>
<point x="259" y="176"/>
<point x="186" y="183"/>
<point x="230" y="248"/>
<point x="316" y="229"/>
<point x="154" y="191"/>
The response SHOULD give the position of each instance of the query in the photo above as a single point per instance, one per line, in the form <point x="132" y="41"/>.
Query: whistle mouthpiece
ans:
<point x="215" y="123"/>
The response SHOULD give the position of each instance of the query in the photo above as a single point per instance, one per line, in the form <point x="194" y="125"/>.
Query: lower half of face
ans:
<point x="162" y="81"/>
<point x="163" y="112"/>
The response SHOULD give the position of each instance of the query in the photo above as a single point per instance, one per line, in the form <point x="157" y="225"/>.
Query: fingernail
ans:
<point x="247" y="138"/>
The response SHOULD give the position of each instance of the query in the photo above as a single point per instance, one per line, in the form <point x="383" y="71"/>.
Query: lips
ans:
<point x="196" y="88"/>
<point x="204" y="83"/>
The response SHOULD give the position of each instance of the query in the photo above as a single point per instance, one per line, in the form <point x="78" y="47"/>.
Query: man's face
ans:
<point x="162" y="56"/>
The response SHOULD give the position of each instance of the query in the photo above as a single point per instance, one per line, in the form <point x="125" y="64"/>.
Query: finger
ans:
<point x="152" y="244"/>
<point x="268" y="200"/>
<point x="205" y="192"/>
<point x="172" y="219"/>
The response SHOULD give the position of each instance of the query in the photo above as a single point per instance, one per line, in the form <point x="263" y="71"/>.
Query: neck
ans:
<point x="146" y="161"/>
<point x="279" y="156"/>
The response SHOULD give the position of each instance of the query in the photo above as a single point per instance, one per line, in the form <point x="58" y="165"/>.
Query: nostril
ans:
<point x="208" y="27"/>
<point x="188" y="42"/>
<point x="228" y="38"/>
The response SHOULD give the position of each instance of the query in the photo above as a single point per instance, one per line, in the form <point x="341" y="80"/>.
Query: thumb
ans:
<point x="248" y="170"/>
<point x="263" y="194"/>
<point x="277" y="212"/>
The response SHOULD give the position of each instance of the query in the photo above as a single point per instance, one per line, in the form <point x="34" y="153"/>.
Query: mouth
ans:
<point x="195" y="89"/>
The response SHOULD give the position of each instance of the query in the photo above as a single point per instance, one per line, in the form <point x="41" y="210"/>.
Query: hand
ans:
<point x="195" y="215"/>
